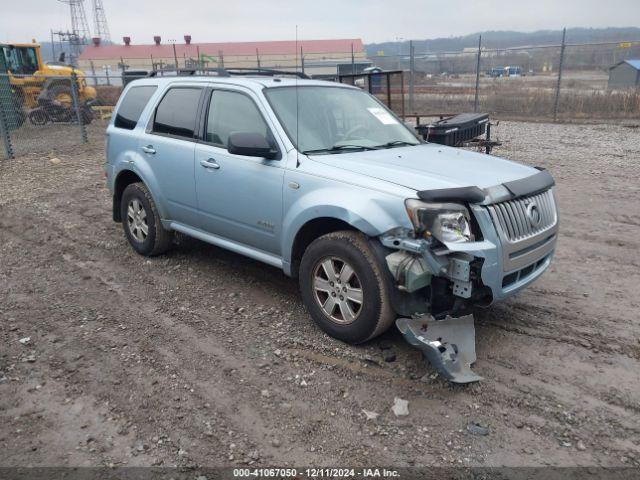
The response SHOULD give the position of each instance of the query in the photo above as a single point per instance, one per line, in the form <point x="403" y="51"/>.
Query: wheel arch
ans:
<point x="328" y="209"/>
<point x="122" y="181"/>
<point x="308" y="232"/>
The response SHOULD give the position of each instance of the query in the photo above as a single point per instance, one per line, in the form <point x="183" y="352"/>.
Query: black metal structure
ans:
<point x="378" y="82"/>
<point x="462" y="130"/>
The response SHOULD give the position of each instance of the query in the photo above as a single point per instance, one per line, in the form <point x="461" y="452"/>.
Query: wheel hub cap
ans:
<point x="137" y="220"/>
<point x="338" y="290"/>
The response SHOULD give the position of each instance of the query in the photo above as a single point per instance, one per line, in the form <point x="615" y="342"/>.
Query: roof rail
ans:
<point x="220" y="72"/>
<point x="267" y="72"/>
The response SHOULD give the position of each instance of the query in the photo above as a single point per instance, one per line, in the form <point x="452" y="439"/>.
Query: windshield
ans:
<point x="335" y="120"/>
<point x="21" y="60"/>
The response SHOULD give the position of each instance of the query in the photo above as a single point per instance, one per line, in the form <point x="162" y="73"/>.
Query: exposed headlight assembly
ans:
<point x="448" y="222"/>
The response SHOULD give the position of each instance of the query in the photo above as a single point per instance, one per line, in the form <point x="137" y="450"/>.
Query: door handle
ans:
<point x="210" y="163"/>
<point x="149" y="149"/>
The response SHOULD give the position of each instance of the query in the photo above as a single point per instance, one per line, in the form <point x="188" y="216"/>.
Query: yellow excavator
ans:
<point x="44" y="89"/>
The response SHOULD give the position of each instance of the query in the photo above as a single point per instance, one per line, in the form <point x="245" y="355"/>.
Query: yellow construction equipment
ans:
<point x="34" y="82"/>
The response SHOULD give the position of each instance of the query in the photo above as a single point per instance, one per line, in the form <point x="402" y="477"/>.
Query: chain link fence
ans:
<point x="43" y="113"/>
<point x="39" y="114"/>
<point x="551" y="82"/>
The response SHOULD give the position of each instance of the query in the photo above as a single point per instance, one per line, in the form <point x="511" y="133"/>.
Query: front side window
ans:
<point x="21" y="60"/>
<point x="231" y="112"/>
<point x="176" y="113"/>
<point x="132" y="106"/>
<point x="335" y="119"/>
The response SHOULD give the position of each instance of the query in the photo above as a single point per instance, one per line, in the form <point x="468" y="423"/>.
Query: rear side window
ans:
<point x="176" y="113"/>
<point x="132" y="105"/>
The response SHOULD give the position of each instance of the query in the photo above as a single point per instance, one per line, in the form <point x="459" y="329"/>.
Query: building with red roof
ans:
<point x="318" y="56"/>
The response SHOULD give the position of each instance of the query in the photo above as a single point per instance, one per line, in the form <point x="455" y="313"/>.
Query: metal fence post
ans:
<point x="557" y="99"/>
<point x="76" y="105"/>
<point x="93" y="72"/>
<point x="6" y="138"/>
<point x="412" y="73"/>
<point x="475" y="98"/>
<point x="353" y="63"/>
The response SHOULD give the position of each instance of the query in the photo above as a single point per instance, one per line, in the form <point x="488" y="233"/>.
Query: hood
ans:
<point x="429" y="166"/>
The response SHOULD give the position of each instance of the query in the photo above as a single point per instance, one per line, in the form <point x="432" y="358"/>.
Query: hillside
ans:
<point x="504" y="39"/>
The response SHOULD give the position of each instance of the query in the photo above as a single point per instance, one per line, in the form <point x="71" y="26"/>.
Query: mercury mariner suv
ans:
<point x="324" y="182"/>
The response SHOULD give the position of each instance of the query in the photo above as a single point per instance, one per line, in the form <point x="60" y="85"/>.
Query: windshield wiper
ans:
<point x="339" y="148"/>
<point x="396" y="143"/>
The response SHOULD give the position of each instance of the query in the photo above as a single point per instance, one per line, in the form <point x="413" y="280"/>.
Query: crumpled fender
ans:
<point x="372" y="215"/>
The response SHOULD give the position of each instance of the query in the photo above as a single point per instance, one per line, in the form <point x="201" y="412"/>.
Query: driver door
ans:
<point x="239" y="197"/>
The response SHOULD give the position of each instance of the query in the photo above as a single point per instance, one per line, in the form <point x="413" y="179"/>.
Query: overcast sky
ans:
<point x="371" y="20"/>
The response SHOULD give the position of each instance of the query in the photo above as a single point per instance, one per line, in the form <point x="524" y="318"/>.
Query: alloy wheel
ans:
<point x="338" y="290"/>
<point x="137" y="220"/>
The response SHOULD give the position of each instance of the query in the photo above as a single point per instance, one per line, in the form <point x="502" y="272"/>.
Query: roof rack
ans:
<point x="222" y="72"/>
<point x="267" y="72"/>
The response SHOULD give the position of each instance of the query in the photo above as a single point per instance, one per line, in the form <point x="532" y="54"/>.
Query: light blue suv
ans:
<point x="323" y="181"/>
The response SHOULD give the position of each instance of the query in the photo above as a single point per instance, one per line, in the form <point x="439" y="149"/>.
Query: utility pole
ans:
<point x="175" y="55"/>
<point x="412" y="72"/>
<point x="475" y="98"/>
<point x="220" y="59"/>
<point x="258" y="58"/>
<point x="302" y="60"/>
<point x="557" y="99"/>
<point x="53" y="48"/>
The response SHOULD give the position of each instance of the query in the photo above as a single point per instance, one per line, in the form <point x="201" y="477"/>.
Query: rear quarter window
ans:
<point x="132" y="106"/>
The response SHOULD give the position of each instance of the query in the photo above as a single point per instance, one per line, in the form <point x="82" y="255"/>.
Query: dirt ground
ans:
<point x="204" y="358"/>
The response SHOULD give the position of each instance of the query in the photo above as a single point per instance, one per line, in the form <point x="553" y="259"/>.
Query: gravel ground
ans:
<point x="203" y="357"/>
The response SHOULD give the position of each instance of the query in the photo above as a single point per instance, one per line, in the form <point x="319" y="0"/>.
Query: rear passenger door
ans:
<point x="239" y="197"/>
<point x="168" y="144"/>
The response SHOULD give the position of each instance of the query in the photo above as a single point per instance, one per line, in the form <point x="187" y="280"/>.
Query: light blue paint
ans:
<point x="230" y="207"/>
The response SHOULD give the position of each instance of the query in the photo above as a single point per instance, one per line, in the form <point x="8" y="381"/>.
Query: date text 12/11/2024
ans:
<point x="315" y="473"/>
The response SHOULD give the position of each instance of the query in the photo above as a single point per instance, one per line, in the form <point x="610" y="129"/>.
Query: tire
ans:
<point x="363" y="321"/>
<point x="38" y="116"/>
<point x="156" y="240"/>
<point x="59" y="92"/>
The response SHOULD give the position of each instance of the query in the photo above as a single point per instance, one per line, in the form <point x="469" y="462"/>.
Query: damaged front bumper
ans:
<point x="449" y="344"/>
<point x="479" y="272"/>
<point x="512" y="243"/>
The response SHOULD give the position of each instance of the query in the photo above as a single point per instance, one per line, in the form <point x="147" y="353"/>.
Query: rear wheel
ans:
<point x="141" y="221"/>
<point x="343" y="287"/>
<point x="38" y="116"/>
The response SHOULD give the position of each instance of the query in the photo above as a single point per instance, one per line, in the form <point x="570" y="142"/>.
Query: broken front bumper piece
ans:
<point x="449" y="344"/>
<point x="414" y="264"/>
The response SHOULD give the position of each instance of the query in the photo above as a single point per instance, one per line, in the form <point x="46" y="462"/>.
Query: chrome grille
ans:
<point x="525" y="217"/>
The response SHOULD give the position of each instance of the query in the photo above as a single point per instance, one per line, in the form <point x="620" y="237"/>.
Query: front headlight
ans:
<point x="448" y="222"/>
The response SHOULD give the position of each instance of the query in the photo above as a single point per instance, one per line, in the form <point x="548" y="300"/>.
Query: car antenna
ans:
<point x="297" y="107"/>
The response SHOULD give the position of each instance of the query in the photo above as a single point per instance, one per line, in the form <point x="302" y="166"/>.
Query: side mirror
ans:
<point x="250" y="144"/>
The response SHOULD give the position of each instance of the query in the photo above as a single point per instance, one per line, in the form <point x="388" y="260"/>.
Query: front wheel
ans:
<point x="343" y="287"/>
<point x="141" y="221"/>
